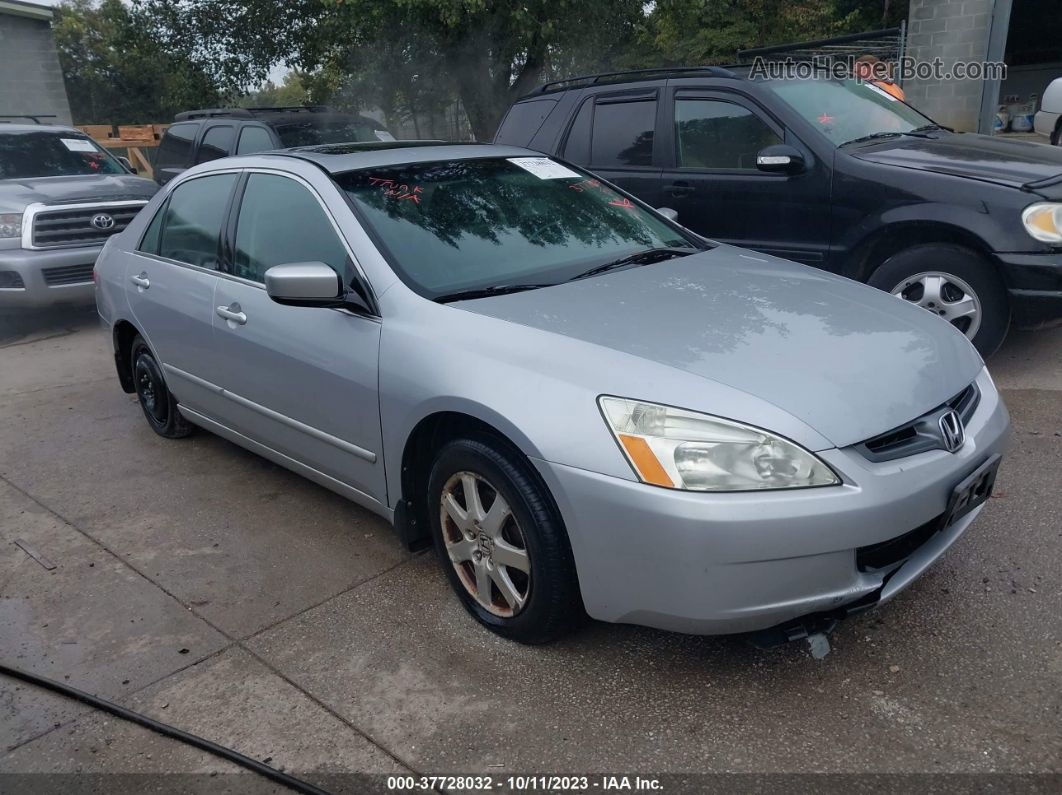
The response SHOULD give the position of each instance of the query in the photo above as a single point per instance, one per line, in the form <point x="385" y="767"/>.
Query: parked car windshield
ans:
<point x="52" y="154"/>
<point x="313" y="132"/>
<point x="844" y="110"/>
<point x="470" y="224"/>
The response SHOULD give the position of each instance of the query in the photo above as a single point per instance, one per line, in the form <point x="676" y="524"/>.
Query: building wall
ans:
<point x="30" y="78"/>
<point x="954" y="30"/>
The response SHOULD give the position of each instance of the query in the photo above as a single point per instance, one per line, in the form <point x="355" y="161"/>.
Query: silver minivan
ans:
<point x="588" y="408"/>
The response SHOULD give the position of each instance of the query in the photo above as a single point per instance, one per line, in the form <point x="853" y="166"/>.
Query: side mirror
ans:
<point x="668" y="213"/>
<point x="125" y="162"/>
<point x="780" y="159"/>
<point x="310" y="284"/>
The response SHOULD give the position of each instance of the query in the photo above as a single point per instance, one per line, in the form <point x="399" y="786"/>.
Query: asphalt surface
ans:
<point x="210" y="589"/>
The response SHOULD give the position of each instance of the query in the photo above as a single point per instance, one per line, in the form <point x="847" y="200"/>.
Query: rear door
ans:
<point x="217" y="142"/>
<point x="300" y="380"/>
<point x="710" y="144"/>
<point x="614" y="135"/>
<point x="171" y="279"/>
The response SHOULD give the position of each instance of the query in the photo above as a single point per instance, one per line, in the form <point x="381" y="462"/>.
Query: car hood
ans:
<point x="1004" y="162"/>
<point x="846" y="359"/>
<point x="15" y="194"/>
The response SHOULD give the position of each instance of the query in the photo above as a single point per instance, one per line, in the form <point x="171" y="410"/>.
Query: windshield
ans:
<point x="314" y="132"/>
<point x="25" y="155"/>
<point x="470" y="224"/>
<point x="844" y="110"/>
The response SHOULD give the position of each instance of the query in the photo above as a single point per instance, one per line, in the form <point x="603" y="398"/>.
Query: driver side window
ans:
<point x="282" y="222"/>
<point x="715" y="134"/>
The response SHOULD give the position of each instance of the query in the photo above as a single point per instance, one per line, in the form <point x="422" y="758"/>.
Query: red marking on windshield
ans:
<point x="398" y="190"/>
<point x="825" y="118"/>
<point x="625" y="203"/>
<point x="586" y="184"/>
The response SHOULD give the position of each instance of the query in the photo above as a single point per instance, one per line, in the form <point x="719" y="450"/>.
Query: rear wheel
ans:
<point x="158" y="404"/>
<point x="504" y="550"/>
<point x="956" y="284"/>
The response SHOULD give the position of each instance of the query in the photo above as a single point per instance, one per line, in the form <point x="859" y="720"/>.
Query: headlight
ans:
<point x="1044" y="221"/>
<point x="10" y="225"/>
<point x="682" y="449"/>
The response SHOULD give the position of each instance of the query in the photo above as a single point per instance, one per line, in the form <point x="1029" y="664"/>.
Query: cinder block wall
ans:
<point x="30" y="78"/>
<point x="954" y="30"/>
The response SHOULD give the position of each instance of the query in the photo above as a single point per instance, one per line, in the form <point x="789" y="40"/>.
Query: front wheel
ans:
<point x="954" y="283"/>
<point x="504" y="549"/>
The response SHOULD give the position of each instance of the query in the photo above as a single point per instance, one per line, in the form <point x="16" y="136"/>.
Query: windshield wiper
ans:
<point x="932" y="128"/>
<point x="878" y="135"/>
<point x="486" y="292"/>
<point x="646" y="257"/>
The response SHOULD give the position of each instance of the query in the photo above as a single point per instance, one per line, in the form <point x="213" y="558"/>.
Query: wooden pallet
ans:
<point x="134" y="138"/>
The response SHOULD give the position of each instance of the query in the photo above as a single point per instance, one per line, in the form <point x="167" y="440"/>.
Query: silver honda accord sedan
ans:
<point x="588" y="409"/>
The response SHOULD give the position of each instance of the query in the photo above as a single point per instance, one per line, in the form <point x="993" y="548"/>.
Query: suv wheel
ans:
<point x="504" y="550"/>
<point x="953" y="282"/>
<point x="158" y="404"/>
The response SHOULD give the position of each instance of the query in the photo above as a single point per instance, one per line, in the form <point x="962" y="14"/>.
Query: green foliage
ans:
<point x="116" y="72"/>
<point x="293" y="91"/>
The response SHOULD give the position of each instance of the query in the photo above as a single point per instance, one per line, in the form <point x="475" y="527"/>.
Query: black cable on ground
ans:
<point x="164" y="729"/>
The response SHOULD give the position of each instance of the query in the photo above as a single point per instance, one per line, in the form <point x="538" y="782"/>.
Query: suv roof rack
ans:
<point x="34" y="117"/>
<point x="631" y="75"/>
<point x="248" y="113"/>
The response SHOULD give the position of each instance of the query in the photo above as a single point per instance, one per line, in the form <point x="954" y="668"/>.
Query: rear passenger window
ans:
<point x="623" y="133"/>
<point x="192" y="225"/>
<point x="577" y="148"/>
<point x="280" y="222"/>
<point x="714" y="134"/>
<point x="216" y="143"/>
<point x="523" y="121"/>
<point x="175" y="149"/>
<point x="254" y="139"/>
<point x="150" y="243"/>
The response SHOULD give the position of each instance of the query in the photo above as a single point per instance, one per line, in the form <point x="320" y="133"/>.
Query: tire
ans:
<point x="958" y="274"/>
<point x="551" y="604"/>
<point x="156" y="401"/>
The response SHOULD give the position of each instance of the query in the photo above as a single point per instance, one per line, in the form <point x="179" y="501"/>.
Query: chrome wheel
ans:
<point x="485" y="544"/>
<point x="945" y="295"/>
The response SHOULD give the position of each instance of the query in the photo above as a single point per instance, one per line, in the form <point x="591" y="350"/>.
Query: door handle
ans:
<point x="141" y="280"/>
<point x="232" y="313"/>
<point x="678" y="189"/>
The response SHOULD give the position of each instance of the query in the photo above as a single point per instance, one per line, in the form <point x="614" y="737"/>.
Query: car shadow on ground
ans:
<point x="19" y="326"/>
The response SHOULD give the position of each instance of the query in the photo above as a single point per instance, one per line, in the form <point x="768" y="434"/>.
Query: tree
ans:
<point x="116" y="72"/>
<point x="488" y="52"/>
<point x="293" y="91"/>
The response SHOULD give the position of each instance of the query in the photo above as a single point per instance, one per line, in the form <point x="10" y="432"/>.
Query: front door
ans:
<point x="300" y="380"/>
<point x="710" y="178"/>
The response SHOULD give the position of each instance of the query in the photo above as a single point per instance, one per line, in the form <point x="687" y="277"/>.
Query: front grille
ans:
<point x="895" y="550"/>
<point x="921" y="434"/>
<point x="11" y="280"/>
<point x="69" y="274"/>
<point x="73" y="226"/>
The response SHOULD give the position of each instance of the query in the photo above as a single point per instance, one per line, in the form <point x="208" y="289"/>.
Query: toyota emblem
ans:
<point x="952" y="432"/>
<point x="102" y="221"/>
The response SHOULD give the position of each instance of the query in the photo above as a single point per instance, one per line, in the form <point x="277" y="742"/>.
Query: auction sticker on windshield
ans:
<point x="78" y="145"/>
<point x="543" y="167"/>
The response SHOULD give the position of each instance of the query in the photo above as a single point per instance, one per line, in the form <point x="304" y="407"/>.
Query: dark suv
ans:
<point x="197" y="136"/>
<point x="838" y="174"/>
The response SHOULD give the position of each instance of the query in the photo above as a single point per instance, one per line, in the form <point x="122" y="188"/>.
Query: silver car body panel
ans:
<point x="816" y="358"/>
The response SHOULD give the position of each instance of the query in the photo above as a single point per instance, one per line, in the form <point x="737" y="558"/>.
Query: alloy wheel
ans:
<point x="485" y="544"/>
<point x="945" y="295"/>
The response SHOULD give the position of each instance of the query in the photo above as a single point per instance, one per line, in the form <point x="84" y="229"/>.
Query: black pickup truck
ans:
<point x="839" y="174"/>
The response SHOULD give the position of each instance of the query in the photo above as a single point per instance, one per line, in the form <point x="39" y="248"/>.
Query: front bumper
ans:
<point x="30" y="266"/>
<point x="1036" y="287"/>
<point x="725" y="563"/>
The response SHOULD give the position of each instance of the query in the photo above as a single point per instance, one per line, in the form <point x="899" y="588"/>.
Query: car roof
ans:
<point x="636" y="76"/>
<point x="48" y="128"/>
<point x="338" y="158"/>
<point x="272" y="115"/>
